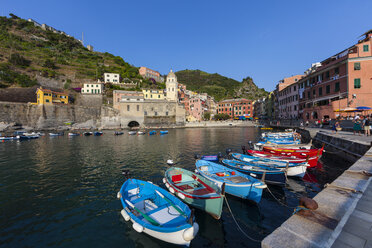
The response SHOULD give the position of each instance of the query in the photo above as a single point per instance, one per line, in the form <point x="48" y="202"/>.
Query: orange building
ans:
<point x="236" y="107"/>
<point x="341" y="81"/>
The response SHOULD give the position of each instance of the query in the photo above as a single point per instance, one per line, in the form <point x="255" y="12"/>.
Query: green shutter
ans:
<point x="357" y="83"/>
<point x="365" y="48"/>
<point x="357" y="66"/>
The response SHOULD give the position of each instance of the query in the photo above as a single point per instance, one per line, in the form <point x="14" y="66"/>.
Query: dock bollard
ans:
<point x="306" y="205"/>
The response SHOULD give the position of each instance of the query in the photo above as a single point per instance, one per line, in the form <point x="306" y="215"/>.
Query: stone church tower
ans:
<point x="172" y="87"/>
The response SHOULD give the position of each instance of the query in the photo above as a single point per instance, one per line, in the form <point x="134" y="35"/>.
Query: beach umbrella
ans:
<point x="363" y="108"/>
<point x="350" y="109"/>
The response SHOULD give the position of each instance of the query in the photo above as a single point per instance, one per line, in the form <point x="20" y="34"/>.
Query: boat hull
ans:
<point x="194" y="190"/>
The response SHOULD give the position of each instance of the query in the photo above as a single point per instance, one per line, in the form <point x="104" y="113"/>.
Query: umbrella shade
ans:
<point x="350" y="109"/>
<point x="339" y="110"/>
<point x="363" y="108"/>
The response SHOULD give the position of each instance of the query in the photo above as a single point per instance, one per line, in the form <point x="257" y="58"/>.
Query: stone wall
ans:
<point x="54" y="116"/>
<point x="89" y="100"/>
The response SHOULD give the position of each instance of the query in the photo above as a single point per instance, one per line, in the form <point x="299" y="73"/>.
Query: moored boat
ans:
<point x="212" y="158"/>
<point x="156" y="212"/>
<point x="163" y="131"/>
<point x="292" y="169"/>
<point x="236" y="183"/>
<point x="88" y="133"/>
<point x="153" y="132"/>
<point x="312" y="161"/>
<point x="26" y="137"/>
<point x="141" y="132"/>
<point x="118" y="133"/>
<point x="132" y="132"/>
<point x="195" y="190"/>
<point x="272" y="175"/>
<point x="290" y="152"/>
<point x="56" y="134"/>
<point x="73" y="134"/>
<point x="3" y="138"/>
<point x="97" y="133"/>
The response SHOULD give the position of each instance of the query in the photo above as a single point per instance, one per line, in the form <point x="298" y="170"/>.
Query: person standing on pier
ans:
<point x="357" y="125"/>
<point x="366" y="126"/>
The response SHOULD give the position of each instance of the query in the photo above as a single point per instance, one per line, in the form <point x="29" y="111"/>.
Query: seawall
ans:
<point x="325" y="227"/>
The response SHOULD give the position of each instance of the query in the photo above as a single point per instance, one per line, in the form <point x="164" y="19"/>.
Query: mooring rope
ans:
<point x="237" y="224"/>
<point x="278" y="199"/>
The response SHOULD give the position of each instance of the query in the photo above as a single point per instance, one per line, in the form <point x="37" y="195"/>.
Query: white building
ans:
<point x="111" y="78"/>
<point x="172" y="87"/>
<point x="92" y="88"/>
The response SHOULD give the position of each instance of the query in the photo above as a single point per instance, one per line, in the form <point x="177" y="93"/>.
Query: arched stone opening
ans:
<point x="132" y="124"/>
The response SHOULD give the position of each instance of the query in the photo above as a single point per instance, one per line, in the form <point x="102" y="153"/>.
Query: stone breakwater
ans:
<point x="337" y="220"/>
<point x="55" y="116"/>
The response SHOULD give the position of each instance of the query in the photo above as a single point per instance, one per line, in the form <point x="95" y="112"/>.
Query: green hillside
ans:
<point x="27" y="51"/>
<point x="218" y="86"/>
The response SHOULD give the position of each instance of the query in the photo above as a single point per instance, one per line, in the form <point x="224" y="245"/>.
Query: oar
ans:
<point x="148" y="218"/>
<point x="171" y="203"/>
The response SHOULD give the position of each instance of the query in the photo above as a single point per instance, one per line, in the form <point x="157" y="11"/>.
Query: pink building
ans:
<point x="196" y="109"/>
<point x="287" y="97"/>
<point x="148" y="73"/>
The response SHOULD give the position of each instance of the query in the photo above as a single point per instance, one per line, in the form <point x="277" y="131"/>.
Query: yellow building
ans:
<point x="153" y="94"/>
<point x="45" y="96"/>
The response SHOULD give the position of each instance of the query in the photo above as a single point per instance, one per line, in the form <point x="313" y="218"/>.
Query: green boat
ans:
<point x="195" y="190"/>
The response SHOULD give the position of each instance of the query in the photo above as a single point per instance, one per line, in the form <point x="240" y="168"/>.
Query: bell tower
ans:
<point x="172" y="87"/>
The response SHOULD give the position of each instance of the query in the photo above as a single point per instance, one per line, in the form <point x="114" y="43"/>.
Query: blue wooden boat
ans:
<point x="212" y="158"/>
<point x="163" y="131"/>
<point x="156" y="212"/>
<point x="272" y="175"/>
<point x="153" y="132"/>
<point x="118" y="133"/>
<point x="236" y="183"/>
<point x="292" y="169"/>
<point x="195" y="190"/>
<point x="97" y="133"/>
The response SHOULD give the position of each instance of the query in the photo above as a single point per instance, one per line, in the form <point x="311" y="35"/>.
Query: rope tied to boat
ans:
<point x="237" y="224"/>
<point x="299" y="208"/>
<point x="285" y="205"/>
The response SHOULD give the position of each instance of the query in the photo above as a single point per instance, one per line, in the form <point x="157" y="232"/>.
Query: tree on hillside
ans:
<point x="49" y="64"/>
<point x="207" y="116"/>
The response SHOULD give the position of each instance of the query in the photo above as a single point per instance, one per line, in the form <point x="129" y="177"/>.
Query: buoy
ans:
<point x="118" y="195"/>
<point x="125" y="215"/>
<point x="180" y="195"/>
<point x="170" y="162"/>
<point x="171" y="190"/>
<point x="167" y="185"/>
<point x="164" y="181"/>
<point x="191" y="232"/>
<point x="137" y="227"/>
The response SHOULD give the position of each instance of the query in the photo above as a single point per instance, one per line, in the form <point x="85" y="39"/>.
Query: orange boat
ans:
<point x="297" y="153"/>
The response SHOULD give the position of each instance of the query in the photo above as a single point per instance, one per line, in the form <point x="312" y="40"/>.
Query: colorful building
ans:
<point x="286" y="98"/>
<point x="45" y="96"/>
<point x="148" y="73"/>
<point x="153" y="94"/>
<point x="341" y="81"/>
<point x="236" y="107"/>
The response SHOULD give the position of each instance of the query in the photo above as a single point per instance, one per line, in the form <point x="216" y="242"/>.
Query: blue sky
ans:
<point x="267" y="40"/>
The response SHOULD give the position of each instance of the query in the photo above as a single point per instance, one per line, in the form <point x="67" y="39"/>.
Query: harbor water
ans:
<point x="61" y="191"/>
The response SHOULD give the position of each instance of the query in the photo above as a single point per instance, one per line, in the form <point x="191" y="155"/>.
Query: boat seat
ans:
<point x="145" y="206"/>
<point x="238" y="179"/>
<point x="184" y="183"/>
<point x="163" y="214"/>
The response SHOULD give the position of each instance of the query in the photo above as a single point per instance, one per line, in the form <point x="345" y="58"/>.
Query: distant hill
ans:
<point x="218" y="86"/>
<point x="27" y="51"/>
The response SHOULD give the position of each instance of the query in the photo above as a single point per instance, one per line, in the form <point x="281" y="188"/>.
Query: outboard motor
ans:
<point x="228" y="151"/>
<point x="244" y="149"/>
<point x="259" y="146"/>
<point x="250" y="145"/>
<point x="126" y="173"/>
<point x="219" y="155"/>
<point x="196" y="156"/>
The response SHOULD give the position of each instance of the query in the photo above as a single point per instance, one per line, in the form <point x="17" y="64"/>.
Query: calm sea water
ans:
<point x="61" y="192"/>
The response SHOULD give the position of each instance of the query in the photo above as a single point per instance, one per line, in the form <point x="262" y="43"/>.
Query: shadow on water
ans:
<point x="61" y="192"/>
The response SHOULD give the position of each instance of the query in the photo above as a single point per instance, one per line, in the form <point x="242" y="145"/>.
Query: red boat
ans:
<point x="297" y="153"/>
<point x="312" y="161"/>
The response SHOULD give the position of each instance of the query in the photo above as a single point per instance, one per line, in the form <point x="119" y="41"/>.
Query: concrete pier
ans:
<point x="344" y="216"/>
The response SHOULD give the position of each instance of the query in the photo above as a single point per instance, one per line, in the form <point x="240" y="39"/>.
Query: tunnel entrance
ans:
<point x="133" y="124"/>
